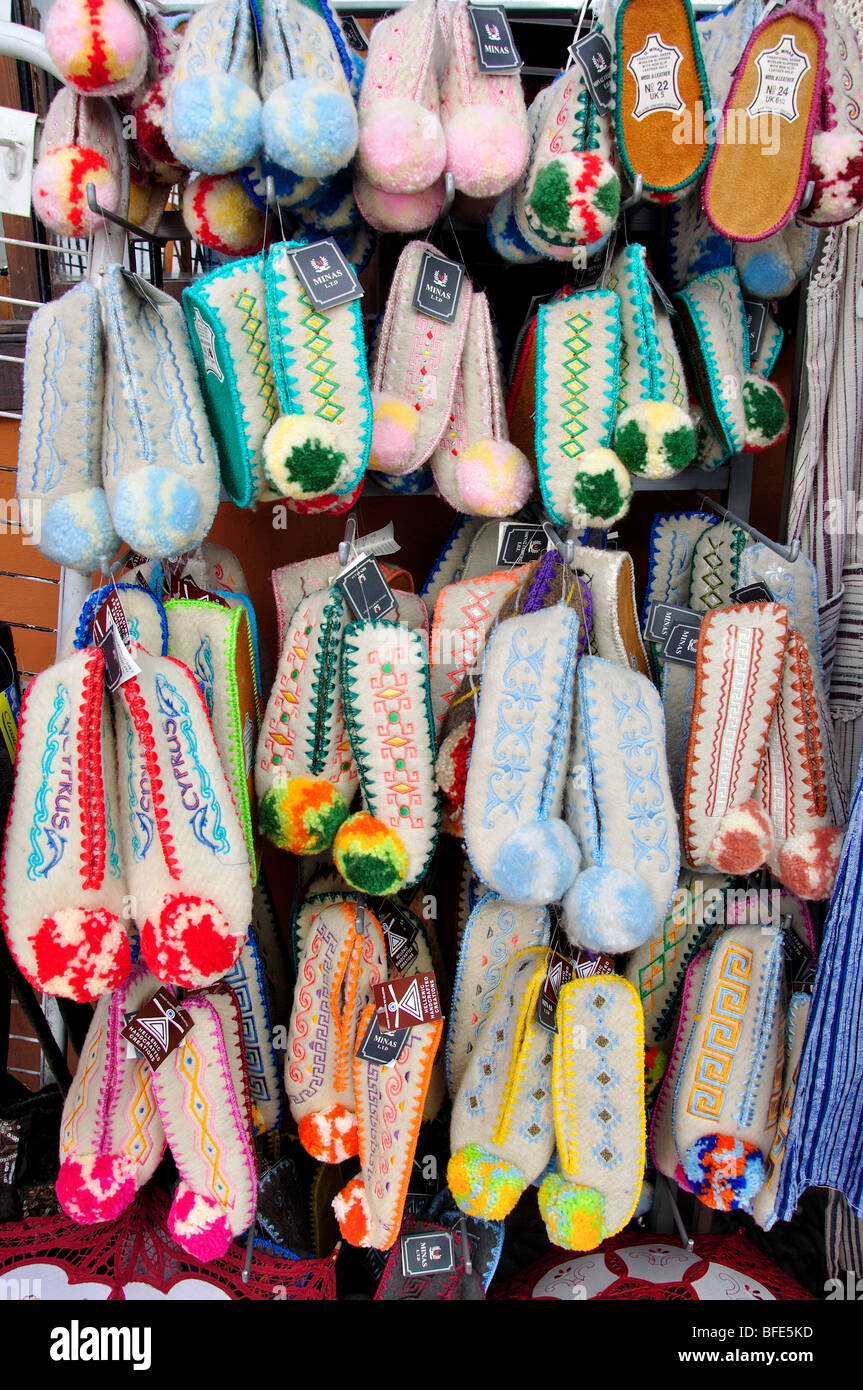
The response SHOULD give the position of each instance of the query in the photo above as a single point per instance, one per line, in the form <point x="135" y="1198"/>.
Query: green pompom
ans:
<point x="314" y="466"/>
<point x="607" y="197"/>
<point x="766" y="417"/>
<point x="550" y="196"/>
<point x="598" y="494"/>
<point x="630" y="445"/>
<point x="680" y="447"/>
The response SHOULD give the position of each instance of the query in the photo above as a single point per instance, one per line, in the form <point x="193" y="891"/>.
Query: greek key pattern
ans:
<point x="721" y="1034"/>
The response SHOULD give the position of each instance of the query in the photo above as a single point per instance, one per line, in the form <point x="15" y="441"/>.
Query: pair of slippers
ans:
<point x="717" y="1115"/>
<point x="283" y="86"/>
<point x="344" y="1104"/>
<point x="109" y="829"/>
<point x="108" y="377"/>
<point x="569" y="195"/>
<point x="757" y="784"/>
<point x="437" y="394"/>
<point x="565" y="1111"/>
<point x="350" y="707"/>
<point x="121" y="1114"/>
<point x="426" y="109"/>
<point x="285" y="384"/>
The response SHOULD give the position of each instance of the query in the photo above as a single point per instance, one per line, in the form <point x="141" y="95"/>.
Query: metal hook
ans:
<point x="786" y="552"/>
<point x="449" y="194"/>
<point x="346" y="546"/>
<point x="808" y="195"/>
<point x="564" y="548"/>
<point x="636" y="195"/>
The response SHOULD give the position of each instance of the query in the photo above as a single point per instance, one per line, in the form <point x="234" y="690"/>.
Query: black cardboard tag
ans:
<point x="327" y="277"/>
<point x="662" y="617"/>
<point x="379" y="1047"/>
<point x="365" y="589"/>
<point x="399" y="933"/>
<point x="438" y="287"/>
<point x="756" y="322"/>
<point x="752" y="593"/>
<point x="558" y="973"/>
<point x="119" y="665"/>
<point x="682" y="645"/>
<point x="354" y="34"/>
<point x="495" y="45"/>
<point x="519" y="543"/>
<point x="594" y="56"/>
<point x="428" y="1254"/>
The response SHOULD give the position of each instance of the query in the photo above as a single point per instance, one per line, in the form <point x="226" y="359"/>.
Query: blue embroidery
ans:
<point x="202" y="805"/>
<point x="46" y="838"/>
<point x="205" y="673"/>
<point x="521" y="682"/>
<point x="140" y="819"/>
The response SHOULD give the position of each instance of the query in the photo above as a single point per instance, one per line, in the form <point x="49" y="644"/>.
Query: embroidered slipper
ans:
<point x="773" y="268"/>
<point x="343" y="956"/>
<point x="213" y="111"/>
<point x="145" y="619"/>
<point x="508" y="228"/>
<point x="81" y="142"/>
<point x="100" y="49"/>
<point x="111" y="1137"/>
<point x="547" y="583"/>
<point x="219" y="213"/>
<point x="837" y="147"/>
<point x="728" y="1093"/>
<point x="692" y="246"/>
<point x="657" y="969"/>
<point x="614" y="633"/>
<point x="248" y="980"/>
<point x="182" y="842"/>
<point x="716" y="560"/>
<point x="570" y="194"/>
<point x="494" y="932"/>
<point x="745" y="411"/>
<point x="152" y="153"/>
<point x="463" y="616"/>
<point x="738" y="673"/>
<point x="215" y="644"/>
<point x="413" y="370"/>
<point x="663" y="1149"/>
<point x="292" y="583"/>
<point x="598" y="1089"/>
<point x="654" y="435"/>
<point x="514" y="832"/>
<point x="583" y="481"/>
<point x="158" y="507"/>
<point x="62" y="881"/>
<point x="763" y="1208"/>
<point x="59" y="446"/>
<point x="673" y="537"/>
<point x="661" y="84"/>
<point x="305" y="773"/>
<point x="308" y="117"/>
<point x="792" y="783"/>
<point x="202" y="1094"/>
<point x="320" y="445"/>
<point x="390" y="1102"/>
<point x="402" y="148"/>
<point x="794" y="584"/>
<point x="629" y="842"/>
<point x="227" y="321"/>
<point x="388" y="845"/>
<point x="476" y="468"/>
<point x="502" y="1127"/>
<point x="483" y="114"/>
<point x="407" y="213"/>
<point x="772" y="108"/>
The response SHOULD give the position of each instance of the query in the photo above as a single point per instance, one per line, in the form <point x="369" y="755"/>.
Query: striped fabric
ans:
<point x="827" y="483"/>
<point x="843" y="1233"/>
<point x="825" y="1136"/>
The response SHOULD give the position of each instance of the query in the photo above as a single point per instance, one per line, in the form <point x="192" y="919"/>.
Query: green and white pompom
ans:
<point x="602" y="490"/>
<point x="655" y="439"/>
<point x="305" y="458"/>
<point x="766" y="413"/>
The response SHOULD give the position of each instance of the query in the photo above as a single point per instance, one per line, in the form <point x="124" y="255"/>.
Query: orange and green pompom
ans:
<point x="483" y="1185"/>
<point x="572" y="1214"/>
<point x="302" y="815"/>
<point x="369" y="856"/>
<point x="655" y="1063"/>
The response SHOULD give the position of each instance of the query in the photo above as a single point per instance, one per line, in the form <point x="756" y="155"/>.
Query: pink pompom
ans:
<point x="198" y="1224"/>
<point x="95" y="1187"/>
<point x="743" y="842"/>
<point x="401" y="146"/>
<point x="487" y="150"/>
<point x="393" y="433"/>
<point x="494" y="478"/>
<point x="399" y="212"/>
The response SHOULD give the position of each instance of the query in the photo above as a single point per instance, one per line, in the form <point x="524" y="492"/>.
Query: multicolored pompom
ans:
<point x="331" y="1135"/>
<point x="198" y="1224"/>
<point x="59" y="189"/>
<point x="81" y="953"/>
<point x="808" y="863"/>
<point x="369" y="856"/>
<point x="219" y="213"/>
<point x="100" y="46"/>
<point x="302" y="815"/>
<point x="602" y="490"/>
<point x="192" y="943"/>
<point x="352" y="1213"/>
<point x="573" y="199"/>
<point x="483" y="1185"/>
<point x="766" y="414"/>
<point x="743" y="841"/>
<point x="655" y="439"/>
<point x="573" y="1215"/>
<point x="655" y="1067"/>
<point x="724" y="1173"/>
<point x="95" y="1187"/>
<point x="494" y="478"/>
<point x="304" y="457"/>
<point x="393" y="432"/>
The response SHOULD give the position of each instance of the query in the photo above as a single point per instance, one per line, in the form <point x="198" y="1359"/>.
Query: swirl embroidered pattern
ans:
<point x="204" y="672"/>
<point x="521" y="684"/>
<point x="47" y="842"/>
<point x="642" y="766"/>
<point x="202" y="804"/>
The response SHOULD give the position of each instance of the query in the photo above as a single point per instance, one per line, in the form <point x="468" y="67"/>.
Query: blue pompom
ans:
<point x="77" y="531"/>
<point x="310" y="127"/>
<point x="609" y="910"/>
<point x="213" y="123"/>
<point x="536" y="865"/>
<point x="158" y="512"/>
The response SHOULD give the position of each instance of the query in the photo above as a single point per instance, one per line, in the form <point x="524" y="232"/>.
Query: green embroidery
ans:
<point x="320" y="364"/>
<point x="575" y="385"/>
<point x="258" y="349"/>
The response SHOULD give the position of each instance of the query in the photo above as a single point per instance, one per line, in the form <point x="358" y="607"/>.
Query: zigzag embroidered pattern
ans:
<point x="198" y="1110"/>
<point x="140" y="1142"/>
<point x="253" y="328"/>
<point x="575" y="385"/>
<point x="319" y="364"/>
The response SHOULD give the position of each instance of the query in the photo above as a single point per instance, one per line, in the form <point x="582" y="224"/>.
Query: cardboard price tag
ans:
<point x="681" y="645"/>
<point x="119" y="665"/>
<point x="365" y="588"/>
<point x="756" y="322"/>
<point x="399" y="933"/>
<point x="438" y="287"/>
<point x="752" y="593"/>
<point x="428" y="1254"/>
<point x="157" y="1028"/>
<point x="326" y="276"/>
<point x="405" y="1002"/>
<point x="382" y="1048"/>
<point x="495" y="45"/>
<point x="519" y="543"/>
<point x="663" y="617"/>
<point x="596" y="60"/>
